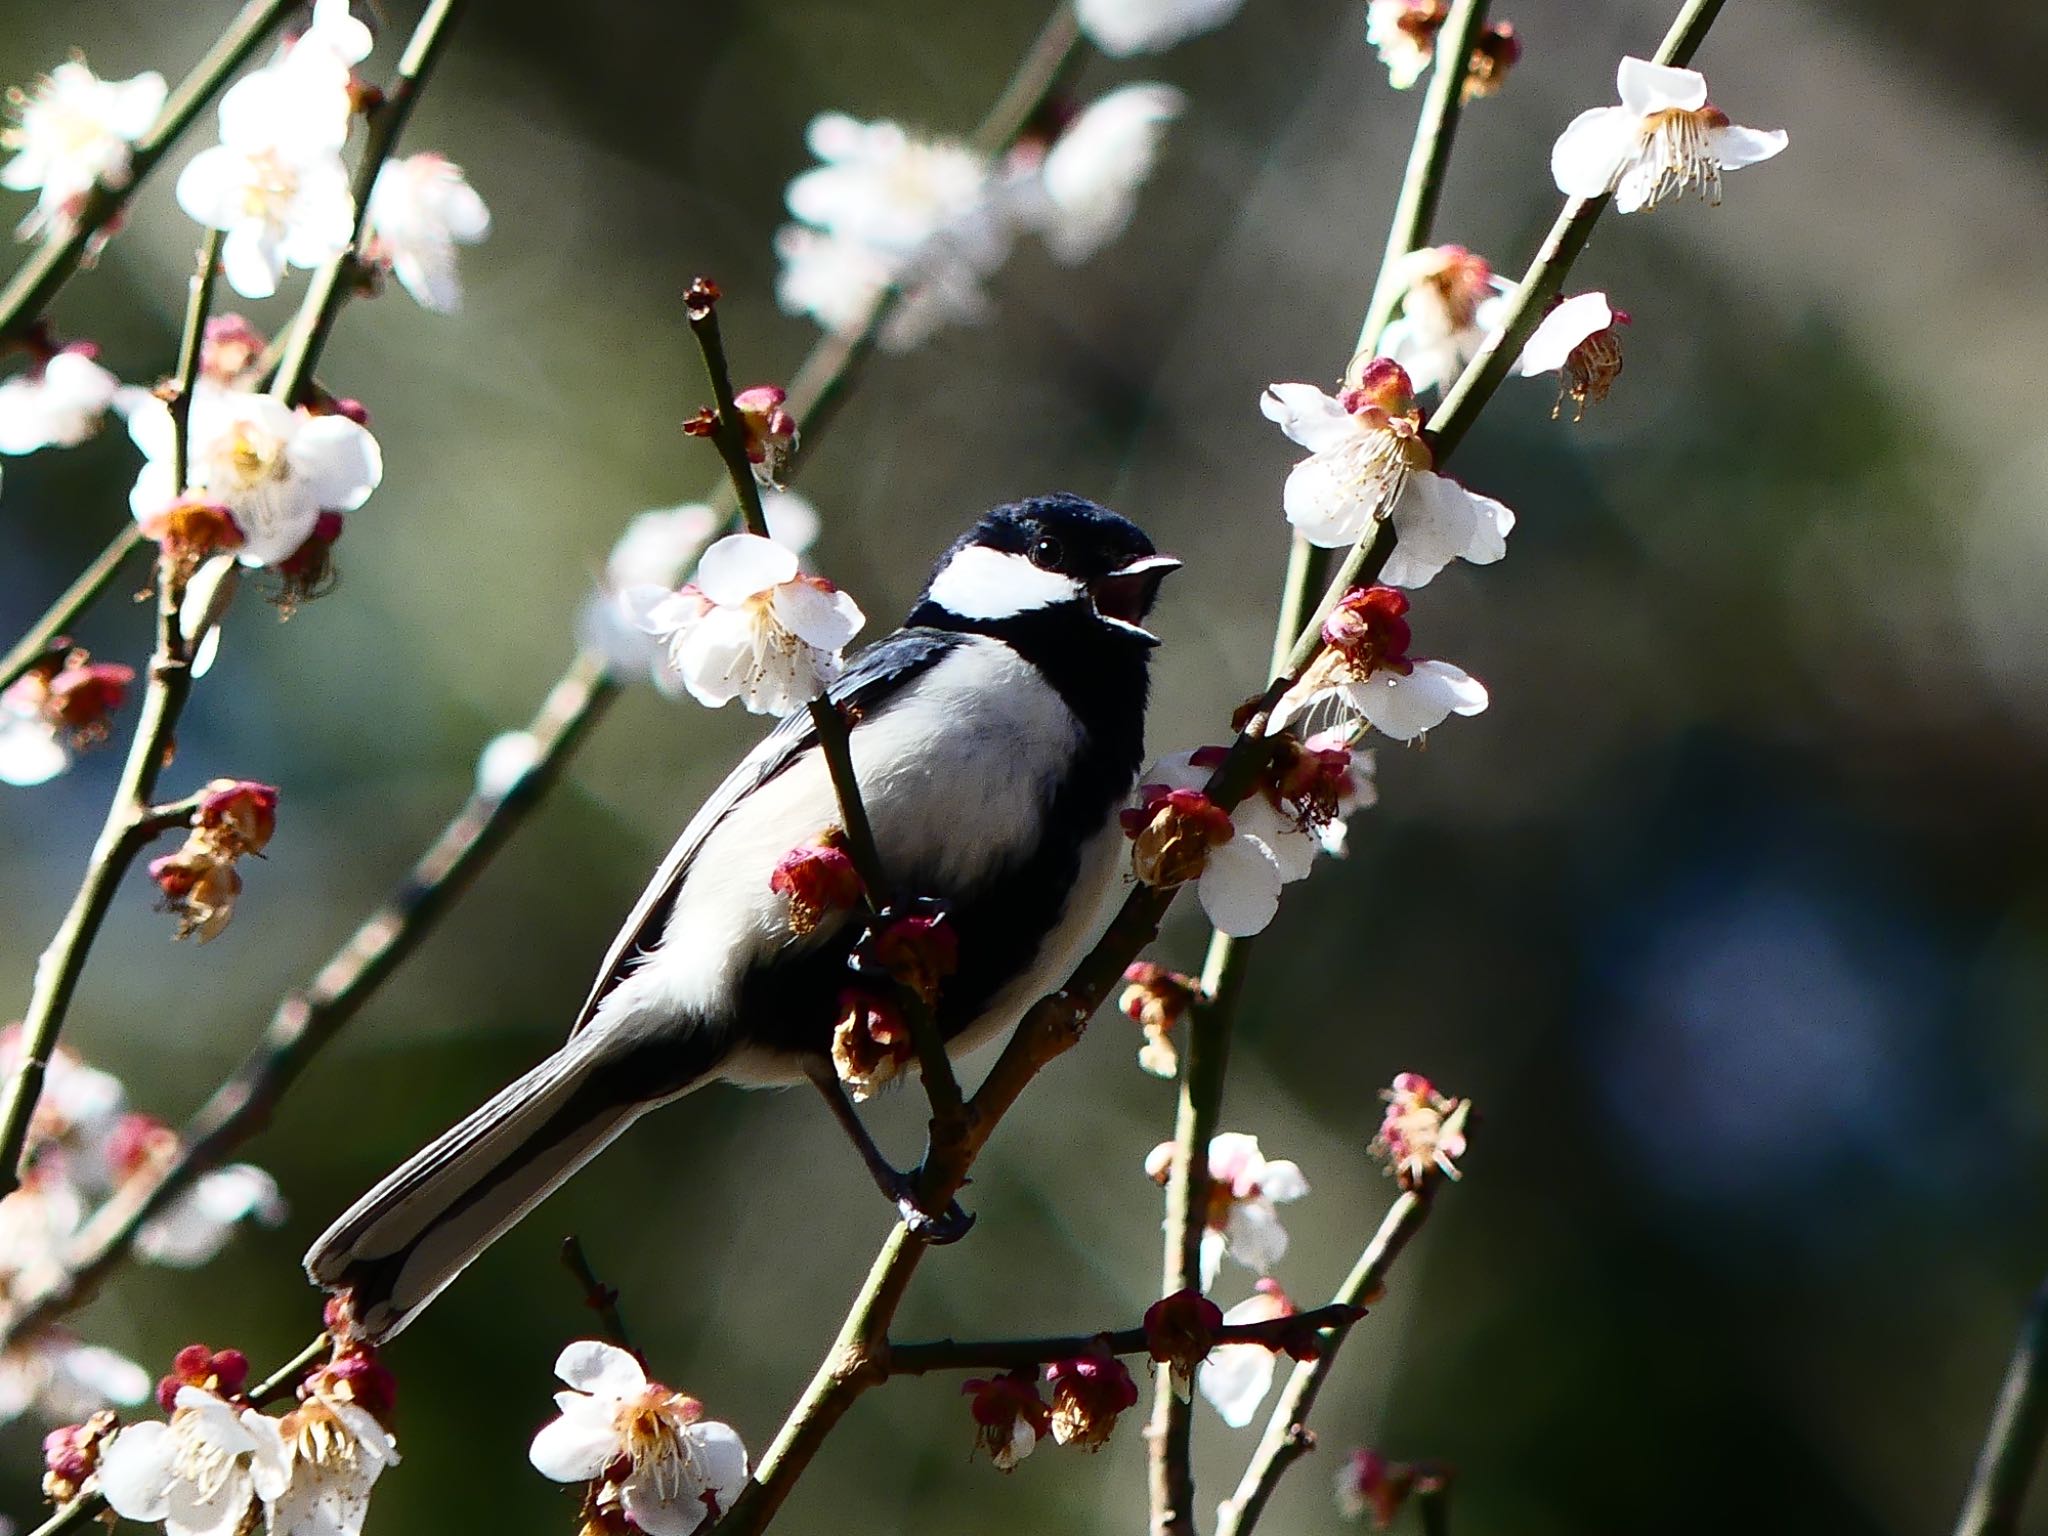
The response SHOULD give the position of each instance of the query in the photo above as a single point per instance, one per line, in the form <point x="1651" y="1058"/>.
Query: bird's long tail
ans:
<point x="403" y="1242"/>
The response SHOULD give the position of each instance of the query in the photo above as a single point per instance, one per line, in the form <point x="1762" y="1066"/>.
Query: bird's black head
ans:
<point x="1052" y="565"/>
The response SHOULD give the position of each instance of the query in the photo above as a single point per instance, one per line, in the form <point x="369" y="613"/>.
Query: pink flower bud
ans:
<point x="71" y="1455"/>
<point x="358" y="1376"/>
<point x="230" y="349"/>
<point x="1156" y="999"/>
<point x="1422" y="1131"/>
<point x="1369" y="631"/>
<point x="84" y="693"/>
<point x="770" y="430"/>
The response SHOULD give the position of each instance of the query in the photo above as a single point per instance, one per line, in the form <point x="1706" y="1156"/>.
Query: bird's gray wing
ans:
<point x="870" y="677"/>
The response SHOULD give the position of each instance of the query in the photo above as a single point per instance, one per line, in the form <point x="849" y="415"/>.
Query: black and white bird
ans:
<point x="995" y="736"/>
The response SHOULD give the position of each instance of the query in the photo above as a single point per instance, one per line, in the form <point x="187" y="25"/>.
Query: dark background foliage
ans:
<point x="1729" y="912"/>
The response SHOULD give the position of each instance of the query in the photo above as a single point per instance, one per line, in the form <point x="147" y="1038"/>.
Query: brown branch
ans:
<point x="600" y="1298"/>
<point x="1008" y="1354"/>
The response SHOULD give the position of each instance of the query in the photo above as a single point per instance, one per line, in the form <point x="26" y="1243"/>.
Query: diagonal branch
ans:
<point x="1274" y="1333"/>
<point x="2012" y="1444"/>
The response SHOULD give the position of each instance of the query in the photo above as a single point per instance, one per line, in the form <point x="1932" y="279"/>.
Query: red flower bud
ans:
<point x="816" y="880"/>
<point x="1088" y="1392"/>
<point x="1009" y="1415"/>
<point x="238" y="816"/>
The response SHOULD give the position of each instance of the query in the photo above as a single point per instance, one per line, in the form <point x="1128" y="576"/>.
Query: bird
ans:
<point x="994" y="736"/>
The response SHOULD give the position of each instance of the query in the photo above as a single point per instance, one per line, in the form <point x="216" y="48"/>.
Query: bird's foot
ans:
<point x="937" y="1228"/>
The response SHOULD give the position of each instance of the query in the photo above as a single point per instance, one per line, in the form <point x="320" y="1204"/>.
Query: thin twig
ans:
<point x="2012" y="1444"/>
<point x="129" y="824"/>
<point x="1429" y="158"/>
<point x="1171" y="1436"/>
<point x="43" y="635"/>
<point x="1051" y="55"/>
<point x="600" y="1298"/>
<point x="191" y="346"/>
<point x="35" y="284"/>
<point x="728" y="433"/>
<point x="1007" y="1354"/>
<point x="331" y="284"/>
<point x="1286" y="1438"/>
<point x="170" y="677"/>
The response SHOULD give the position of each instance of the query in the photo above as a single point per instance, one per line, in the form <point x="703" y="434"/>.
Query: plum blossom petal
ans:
<point x="58" y="405"/>
<point x="743" y="565"/>
<point x="1235" y="1378"/>
<point x="1645" y="87"/>
<point x="421" y="208"/>
<point x="1091" y="175"/>
<point x="1318" y="422"/>
<point x="1240" y="887"/>
<point x="198" y="1224"/>
<point x="1121" y="28"/>
<point x="1570" y="323"/>
<point x="1406" y="705"/>
<point x="1439" y="521"/>
<point x="600" y="1370"/>
<point x="577" y="1446"/>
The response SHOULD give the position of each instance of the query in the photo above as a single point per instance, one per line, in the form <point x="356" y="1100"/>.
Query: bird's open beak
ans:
<point x="1123" y="596"/>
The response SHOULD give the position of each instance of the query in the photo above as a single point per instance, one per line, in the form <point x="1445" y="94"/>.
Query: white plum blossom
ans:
<point x="1239" y="877"/>
<point x="76" y="131"/>
<point x="679" y="1465"/>
<point x="1121" y="28"/>
<point x="652" y="557"/>
<point x="1367" y="460"/>
<point x="1662" y="141"/>
<point x="274" y="468"/>
<point x="276" y="184"/>
<point x="752" y="627"/>
<point x="1089" y="182"/>
<point x="1365" y="669"/>
<point x="63" y="1380"/>
<point x="421" y="208"/>
<point x="1245" y="1188"/>
<point x="314" y="1468"/>
<point x="1451" y="302"/>
<point x="888" y="189"/>
<point x="887" y="207"/>
<point x="1235" y="1378"/>
<point x="61" y="402"/>
<point x="192" y="1474"/>
<point x="1275" y="832"/>
<point x="197" y="1225"/>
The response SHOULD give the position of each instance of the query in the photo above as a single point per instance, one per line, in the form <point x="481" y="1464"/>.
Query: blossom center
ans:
<point x="247" y="457"/>
<point x="1679" y="154"/>
<point x="271" y="186"/>
<point x="198" y="1458"/>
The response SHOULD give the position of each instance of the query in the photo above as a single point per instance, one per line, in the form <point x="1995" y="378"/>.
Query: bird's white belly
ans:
<point x="955" y="772"/>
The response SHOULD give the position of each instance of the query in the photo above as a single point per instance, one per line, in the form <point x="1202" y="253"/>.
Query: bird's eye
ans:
<point x="1047" y="553"/>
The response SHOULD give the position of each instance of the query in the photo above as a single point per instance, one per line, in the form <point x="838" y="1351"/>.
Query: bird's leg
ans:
<point x="897" y="1187"/>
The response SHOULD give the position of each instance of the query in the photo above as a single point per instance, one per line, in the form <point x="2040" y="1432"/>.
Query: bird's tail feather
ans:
<point x="403" y="1242"/>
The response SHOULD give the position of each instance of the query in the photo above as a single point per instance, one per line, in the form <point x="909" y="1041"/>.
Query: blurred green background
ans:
<point x="1730" y="912"/>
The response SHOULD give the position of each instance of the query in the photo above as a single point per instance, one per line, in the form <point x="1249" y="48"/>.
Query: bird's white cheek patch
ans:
<point x="983" y="583"/>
